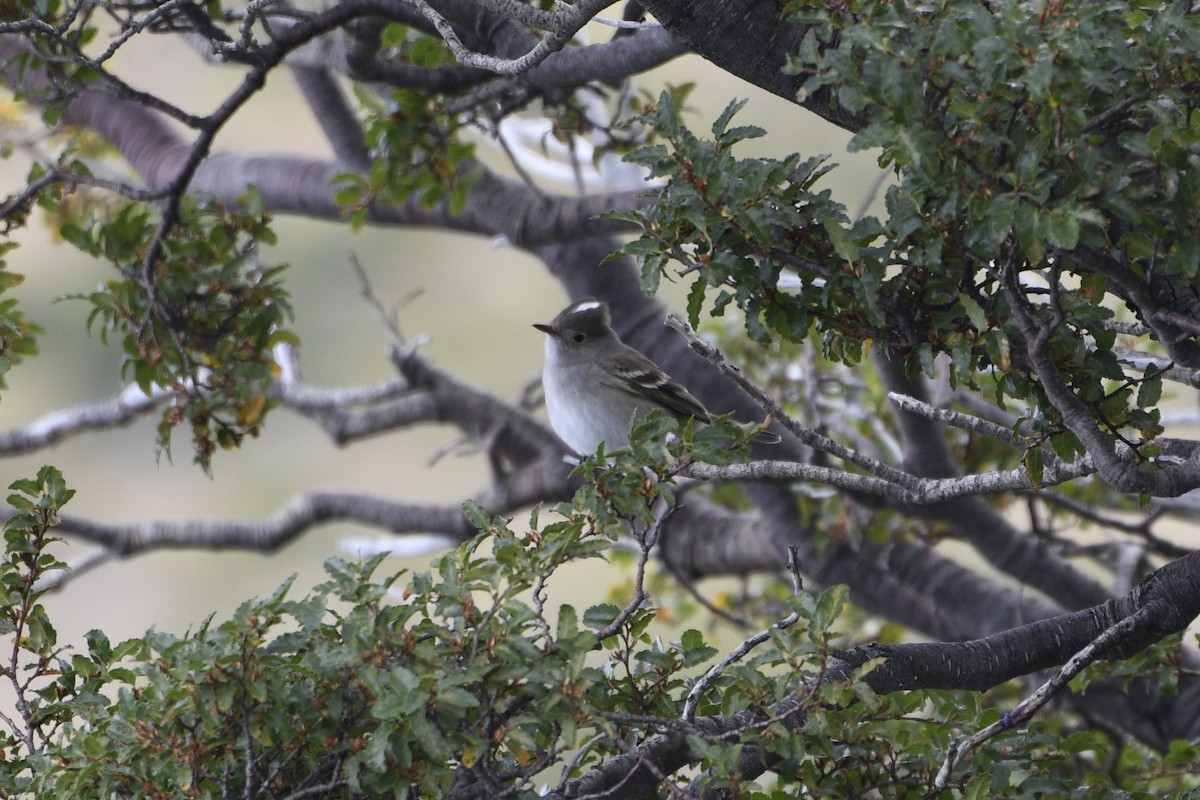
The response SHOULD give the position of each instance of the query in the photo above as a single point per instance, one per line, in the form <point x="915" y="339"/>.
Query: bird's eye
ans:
<point x="579" y="338"/>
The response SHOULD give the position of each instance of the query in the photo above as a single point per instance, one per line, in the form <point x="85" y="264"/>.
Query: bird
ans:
<point x="595" y="384"/>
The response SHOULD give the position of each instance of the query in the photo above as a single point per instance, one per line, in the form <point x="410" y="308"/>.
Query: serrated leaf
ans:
<point x="1062" y="229"/>
<point x="975" y="312"/>
<point x="600" y="616"/>
<point x="695" y="301"/>
<point x="476" y="515"/>
<point x="695" y="649"/>
<point x="979" y="788"/>
<point x="1150" y="389"/>
<point x="721" y="122"/>
<point x="568" y="622"/>
<point x="840" y="239"/>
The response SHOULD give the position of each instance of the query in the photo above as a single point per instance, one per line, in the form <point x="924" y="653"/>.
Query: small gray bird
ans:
<point x="595" y="383"/>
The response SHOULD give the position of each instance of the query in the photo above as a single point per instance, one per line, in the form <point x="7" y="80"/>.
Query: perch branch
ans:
<point x="1024" y="711"/>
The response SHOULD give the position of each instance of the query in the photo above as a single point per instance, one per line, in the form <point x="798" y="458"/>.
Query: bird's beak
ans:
<point x="545" y="328"/>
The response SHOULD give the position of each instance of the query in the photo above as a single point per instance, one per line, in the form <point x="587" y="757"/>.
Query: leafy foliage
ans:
<point x="738" y="223"/>
<point x="33" y="659"/>
<point x="18" y="339"/>
<point x="1064" y="133"/>
<point x="410" y="684"/>
<point x="416" y="155"/>
<point x="201" y="323"/>
<point x="1044" y="157"/>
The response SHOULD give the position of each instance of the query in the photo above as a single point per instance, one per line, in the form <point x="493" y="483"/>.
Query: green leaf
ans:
<point x="979" y="788"/>
<point x="568" y="622"/>
<point x="1150" y="388"/>
<point x="1028" y="223"/>
<point x="695" y="649"/>
<point x="840" y="239"/>
<point x="1062" y="229"/>
<point x="695" y="302"/>
<point x="477" y="516"/>
<point x="599" y="617"/>
<point x="10" y="279"/>
<point x="975" y="312"/>
<point x="1066" y="446"/>
<point x="721" y="123"/>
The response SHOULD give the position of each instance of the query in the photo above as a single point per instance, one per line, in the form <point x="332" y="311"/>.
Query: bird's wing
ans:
<point x="640" y="376"/>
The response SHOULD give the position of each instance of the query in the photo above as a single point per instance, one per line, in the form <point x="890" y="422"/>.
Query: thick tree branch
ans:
<point x="566" y="23"/>
<point x="757" y="54"/>
<point x="302" y="185"/>
<point x="359" y="59"/>
<point x="298" y="515"/>
<point x="611" y="61"/>
<point x="971" y="518"/>
<point x="350" y="414"/>
<point x="1163" y="604"/>
<point x="1146" y="294"/>
<point x="334" y="113"/>
<point x="1025" y="710"/>
<point x="1170" y="596"/>
<point x="167" y="163"/>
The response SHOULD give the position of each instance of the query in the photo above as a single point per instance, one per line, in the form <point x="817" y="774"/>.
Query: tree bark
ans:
<point x="750" y="39"/>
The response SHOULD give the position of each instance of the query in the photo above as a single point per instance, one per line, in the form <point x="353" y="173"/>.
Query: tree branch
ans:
<point x="121" y="410"/>
<point x="336" y="117"/>
<point x="566" y="23"/>
<point x="757" y="54"/>
<point x="1119" y="469"/>
<point x="1025" y="710"/>
<point x="924" y="491"/>
<point x="971" y="519"/>
<point x="299" y="514"/>
<point x="1164" y="603"/>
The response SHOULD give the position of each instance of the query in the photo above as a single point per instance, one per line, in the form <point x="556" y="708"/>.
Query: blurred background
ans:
<point x="476" y="303"/>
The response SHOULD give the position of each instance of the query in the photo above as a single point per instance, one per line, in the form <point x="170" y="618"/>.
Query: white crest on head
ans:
<point x="588" y="305"/>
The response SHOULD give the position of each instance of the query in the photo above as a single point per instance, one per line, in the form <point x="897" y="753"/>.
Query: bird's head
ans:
<point x="580" y="325"/>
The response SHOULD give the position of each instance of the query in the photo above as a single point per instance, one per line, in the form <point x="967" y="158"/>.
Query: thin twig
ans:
<point x="80" y="566"/>
<point x="1166" y="367"/>
<point x="526" y="178"/>
<point x="872" y="193"/>
<point x="646" y="543"/>
<point x="712" y="608"/>
<point x="381" y="314"/>
<point x="957" y="419"/>
<point x="802" y="432"/>
<point x="921" y="491"/>
<point x="1141" y="529"/>
<point x="1025" y="710"/>
<point x="697" y="691"/>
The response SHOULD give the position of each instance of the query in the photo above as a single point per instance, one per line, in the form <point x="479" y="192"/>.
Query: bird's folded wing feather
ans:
<point x="646" y="380"/>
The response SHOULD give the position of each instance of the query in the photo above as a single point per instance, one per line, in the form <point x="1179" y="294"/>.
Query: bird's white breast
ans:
<point x="578" y="416"/>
